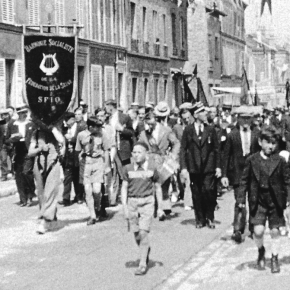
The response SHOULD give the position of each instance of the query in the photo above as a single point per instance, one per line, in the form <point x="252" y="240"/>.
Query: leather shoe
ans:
<point x="199" y="225"/>
<point x="91" y="222"/>
<point x="211" y="224"/>
<point x="29" y="202"/>
<point x="162" y="218"/>
<point x="141" y="271"/>
<point x="237" y="237"/>
<point x="80" y="202"/>
<point x="275" y="267"/>
<point x="261" y="259"/>
<point x="23" y="204"/>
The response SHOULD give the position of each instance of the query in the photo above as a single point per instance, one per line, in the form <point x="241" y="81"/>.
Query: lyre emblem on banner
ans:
<point x="49" y="64"/>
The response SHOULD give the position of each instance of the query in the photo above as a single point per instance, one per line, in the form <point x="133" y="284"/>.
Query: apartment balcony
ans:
<point x="146" y="47"/>
<point x="165" y="51"/>
<point x="156" y="49"/>
<point x="175" y="51"/>
<point x="135" y="45"/>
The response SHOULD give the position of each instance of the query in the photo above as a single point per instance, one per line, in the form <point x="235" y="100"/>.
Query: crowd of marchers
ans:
<point x="151" y="157"/>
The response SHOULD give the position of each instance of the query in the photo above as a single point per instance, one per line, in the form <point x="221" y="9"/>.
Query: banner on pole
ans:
<point x="50" y="75"/>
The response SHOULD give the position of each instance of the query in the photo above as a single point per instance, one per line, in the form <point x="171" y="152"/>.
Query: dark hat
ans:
<point x="111" y="102"/>
<point x="69" y="115"/>
<point x="21" y="109"/>
<point x="227" y="107"/>
<point x="94" y="121"/>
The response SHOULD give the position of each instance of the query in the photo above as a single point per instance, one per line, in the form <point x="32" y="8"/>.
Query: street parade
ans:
<point x="118" y="164"/>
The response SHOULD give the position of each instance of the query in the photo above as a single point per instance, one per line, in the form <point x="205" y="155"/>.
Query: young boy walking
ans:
<point x="266" y="178"/>
<point x="140" y="179"/>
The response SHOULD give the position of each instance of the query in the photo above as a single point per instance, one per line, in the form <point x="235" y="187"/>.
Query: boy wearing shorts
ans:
<point x="140" y="180"/>
<point x="93" y="147"/>
<point x="266" y="179"/>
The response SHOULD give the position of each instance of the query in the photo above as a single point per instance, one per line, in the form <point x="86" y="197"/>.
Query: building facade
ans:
<point x="157" y="46"/>
<point x="204" y="43"/>
<point x="233" y="42"/>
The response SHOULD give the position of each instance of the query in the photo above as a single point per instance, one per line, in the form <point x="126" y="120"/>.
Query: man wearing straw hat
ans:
<point x="19" y="134"/>
<point x="159" y="139"/>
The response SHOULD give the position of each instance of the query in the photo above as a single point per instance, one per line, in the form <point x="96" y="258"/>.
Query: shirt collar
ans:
<point x="144" y="166"/>
<point x="263" y="155"/>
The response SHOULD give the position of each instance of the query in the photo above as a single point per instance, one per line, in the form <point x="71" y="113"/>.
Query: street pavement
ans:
<point x="104" y="256"/>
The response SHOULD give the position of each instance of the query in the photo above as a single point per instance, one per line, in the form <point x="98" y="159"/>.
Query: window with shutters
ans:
<point x="18" y="83"/>
<point x="59" y="13"/>
<point x="33" y="12"/>
<point x="7" y="11"/>
<point x="96" y="86"/>
<point x="103" y="18"/>
<point x="80" y="15"/>
<point x="109" y="83"/>
<point x="3" y="96"/>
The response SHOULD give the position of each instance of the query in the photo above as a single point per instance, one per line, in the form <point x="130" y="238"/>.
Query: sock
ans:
<point x="275" y="245"/>
<point x="144" y="247"/>
<point x="259" y="241"/>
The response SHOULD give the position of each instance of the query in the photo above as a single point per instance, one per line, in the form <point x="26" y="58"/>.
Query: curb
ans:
<point x="7" y="190"/>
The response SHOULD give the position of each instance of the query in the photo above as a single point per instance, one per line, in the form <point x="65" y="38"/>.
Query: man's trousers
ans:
<point x="204" y="196"/>
<point x="24" y="178"/>
<point x="71" y="175"/>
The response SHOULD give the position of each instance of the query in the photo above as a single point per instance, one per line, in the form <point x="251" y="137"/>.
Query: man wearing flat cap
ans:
<point x="241" y="143"/>
<point x="200" y="158"/>
<point x="124" y="136"/>
<point x="160" y="139"/>
<point x="19" y="134"/>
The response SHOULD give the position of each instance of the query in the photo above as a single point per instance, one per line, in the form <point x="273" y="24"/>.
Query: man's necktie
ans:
<point x="92" y="145"/>
<point x="247" y="143"/>
<point x="199" y="133"/>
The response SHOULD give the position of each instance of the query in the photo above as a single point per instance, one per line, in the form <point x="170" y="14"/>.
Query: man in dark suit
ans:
<point x="286" y="131"/>
<point x="266" y="180"/>
<point x="19" y="134"/>
<point x="124" y="134"/>
<point x="241" y="143"/>
<point x="200" y="157"/>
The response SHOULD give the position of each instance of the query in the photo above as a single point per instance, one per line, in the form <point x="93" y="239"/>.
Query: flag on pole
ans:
<point x="179" y="2"/>
<point x="195" y="70"/>
<point x="287" y="93"/>
<point x="188" y="95"/>
<point x="245" y="98"/>
<point x="200" y="93"/>
<point x="269" y="2"/>
<point x="256" y="97"/>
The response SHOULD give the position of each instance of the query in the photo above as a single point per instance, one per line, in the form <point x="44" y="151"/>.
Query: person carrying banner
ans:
<point x="48" y="147"/>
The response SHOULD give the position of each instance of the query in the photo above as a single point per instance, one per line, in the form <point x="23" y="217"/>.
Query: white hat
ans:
<point x="162" y="109"/>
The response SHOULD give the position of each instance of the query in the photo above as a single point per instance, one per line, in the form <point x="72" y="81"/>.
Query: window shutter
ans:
<point x="59" y="14"/>
<point x="18" y="82"/>
<point x="3" y="96"/>
<point x="7" y="11"/>
<point x="96" y="86"/>
<point x="109" y="83"/>
<point x="33" y="12"/>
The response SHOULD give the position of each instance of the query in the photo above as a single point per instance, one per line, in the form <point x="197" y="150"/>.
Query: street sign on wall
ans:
<point x="50" y="75"/>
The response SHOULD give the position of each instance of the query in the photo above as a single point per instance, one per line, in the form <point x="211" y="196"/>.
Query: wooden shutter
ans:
<point x="96" y="86"/>
<point x="8" y="11"/>
<point x="18" y="83"/>
<point x="33" y="12"/>
<point x="109" y="83"/>
<point x="59" y="14"/>
<point x="3" y="96"/>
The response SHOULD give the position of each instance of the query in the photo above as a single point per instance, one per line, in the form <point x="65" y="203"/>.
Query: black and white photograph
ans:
<point x="144" y="144"/>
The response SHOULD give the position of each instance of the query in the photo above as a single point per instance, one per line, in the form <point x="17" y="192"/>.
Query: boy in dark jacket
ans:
<point x="266" y="178"/>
